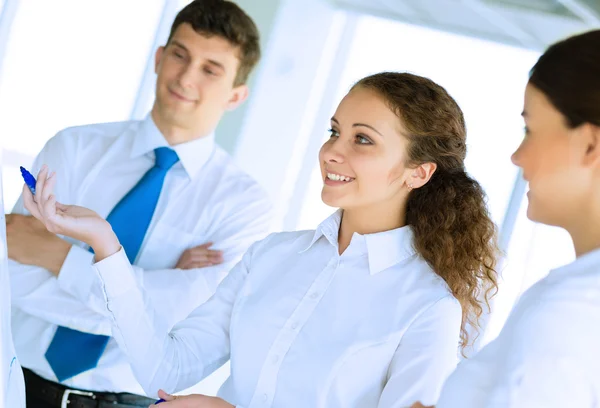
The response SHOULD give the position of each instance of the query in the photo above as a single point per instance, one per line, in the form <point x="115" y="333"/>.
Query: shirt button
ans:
<point x="265" y="397"/>
<point x="275" y="359"/>
<point x="294" y="326"/>
<point x="314" y="295"/>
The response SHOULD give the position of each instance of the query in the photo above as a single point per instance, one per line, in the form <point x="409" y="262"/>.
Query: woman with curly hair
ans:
<point x="368" y="310"/>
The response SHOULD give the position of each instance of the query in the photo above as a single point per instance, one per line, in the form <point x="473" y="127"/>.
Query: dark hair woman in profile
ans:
<point x="548" y="353"/>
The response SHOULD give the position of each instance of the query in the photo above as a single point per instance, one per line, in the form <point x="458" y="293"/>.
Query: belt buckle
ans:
<point x="65" y="399"/>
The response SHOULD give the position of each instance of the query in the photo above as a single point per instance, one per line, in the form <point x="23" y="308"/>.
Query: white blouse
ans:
<point x="548" y="353"/>
<point x="302" y="325"/>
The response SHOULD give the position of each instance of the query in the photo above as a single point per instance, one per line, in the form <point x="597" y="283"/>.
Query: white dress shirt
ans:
<point x="548" y="353"/>
<point x="205" y="198"/>
<point x="302" y="325"/>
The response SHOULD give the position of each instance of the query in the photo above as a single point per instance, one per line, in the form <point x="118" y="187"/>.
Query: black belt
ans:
<point x="60" y="396"/>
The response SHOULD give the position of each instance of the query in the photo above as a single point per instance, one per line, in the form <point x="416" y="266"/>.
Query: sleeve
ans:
<point x="427" y="354"/>
<point x="34" y="289"/>
<point x="468" y="386"/>
<point x="234" y="235"/>
<point x="161" y="358"/>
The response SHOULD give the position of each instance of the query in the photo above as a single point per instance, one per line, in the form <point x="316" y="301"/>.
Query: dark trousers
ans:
<point x="31" y="397"/>
<point x="41" y="393"/>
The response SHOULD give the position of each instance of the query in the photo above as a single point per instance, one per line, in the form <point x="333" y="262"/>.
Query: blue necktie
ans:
<point x="72" y="352"/>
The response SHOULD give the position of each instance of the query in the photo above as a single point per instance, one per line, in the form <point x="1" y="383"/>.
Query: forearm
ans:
<point x="156" y="356"/>
<point x="176" y="358"/>
<point x="176" y="293"/>
<point x="135" y="327"/>
<point x="36" y="292"/>
<point x="53" y="256"/>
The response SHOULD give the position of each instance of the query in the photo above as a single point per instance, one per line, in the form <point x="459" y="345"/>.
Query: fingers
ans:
<point x="200" y="257"/>
<point x="167" y="397"/>
<point x="40" y="190"/>
<point x="30" y="204"/>
<point x="193" y="265"/>
<point x="195" y="259"/>
<point x="47" y="201"/>
<point x="208" y="255"/>
<point x="61" y="207"/>
<point x="50" y="214"/>
<point x="166" y="400"/>
<point x="43" y="205"/>
<point x="41" y="182"/>
<point x="204" y="249"/>
<point x="49" y="184"/>
<point x="189" y="261"/>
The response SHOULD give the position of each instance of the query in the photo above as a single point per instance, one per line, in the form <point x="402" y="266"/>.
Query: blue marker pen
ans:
<point x="29" y="179"/>
<point x="159" y="401"/>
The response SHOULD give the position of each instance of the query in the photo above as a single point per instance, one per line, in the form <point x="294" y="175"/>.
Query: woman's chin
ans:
<point x="330" y="199"/>
<point x="538" y="215"/>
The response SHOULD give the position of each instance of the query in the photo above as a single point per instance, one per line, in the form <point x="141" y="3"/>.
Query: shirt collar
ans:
<point x="193" y="155"/>
<point x="328" y="229"/>
<point x="384" y="249"/>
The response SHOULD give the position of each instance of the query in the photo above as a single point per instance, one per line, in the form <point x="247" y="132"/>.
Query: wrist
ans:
<point x="105" y="244"/>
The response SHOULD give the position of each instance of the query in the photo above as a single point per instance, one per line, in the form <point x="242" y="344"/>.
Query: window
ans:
<point x="81" y="66"/>
<point x="487" y="80"/>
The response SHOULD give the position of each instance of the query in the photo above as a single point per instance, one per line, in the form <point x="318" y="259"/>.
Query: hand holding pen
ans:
<point x="187" y="401"/>
<point x="73" y="221"/>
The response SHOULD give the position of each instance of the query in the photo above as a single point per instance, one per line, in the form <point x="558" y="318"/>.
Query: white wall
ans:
<point x="277" y="124"/>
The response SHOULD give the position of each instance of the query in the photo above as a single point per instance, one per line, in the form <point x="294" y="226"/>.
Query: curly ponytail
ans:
<point x="454" y="233"/>
<point x="448" y="215"/>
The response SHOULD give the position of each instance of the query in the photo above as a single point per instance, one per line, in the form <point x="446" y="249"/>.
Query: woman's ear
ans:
<point x="421" y="175"/>
<point x="591" y="138"/>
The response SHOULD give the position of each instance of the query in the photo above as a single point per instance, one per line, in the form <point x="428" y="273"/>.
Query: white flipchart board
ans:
<point x="12" y="388"/>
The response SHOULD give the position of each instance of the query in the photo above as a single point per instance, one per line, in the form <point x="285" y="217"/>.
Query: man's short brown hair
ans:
<point x="227" y="20"/>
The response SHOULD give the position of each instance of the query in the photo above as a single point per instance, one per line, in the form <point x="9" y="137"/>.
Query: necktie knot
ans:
<point x="165" y="157"/>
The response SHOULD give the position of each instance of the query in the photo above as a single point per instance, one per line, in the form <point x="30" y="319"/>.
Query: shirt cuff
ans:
<point x="76" y="276"/>
<point x="116" y="274"/>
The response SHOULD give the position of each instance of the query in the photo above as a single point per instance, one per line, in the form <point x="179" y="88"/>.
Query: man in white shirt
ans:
<point x="174" y="194"/>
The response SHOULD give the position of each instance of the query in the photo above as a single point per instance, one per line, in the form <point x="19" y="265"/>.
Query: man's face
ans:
<point x="195" y="83"/>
